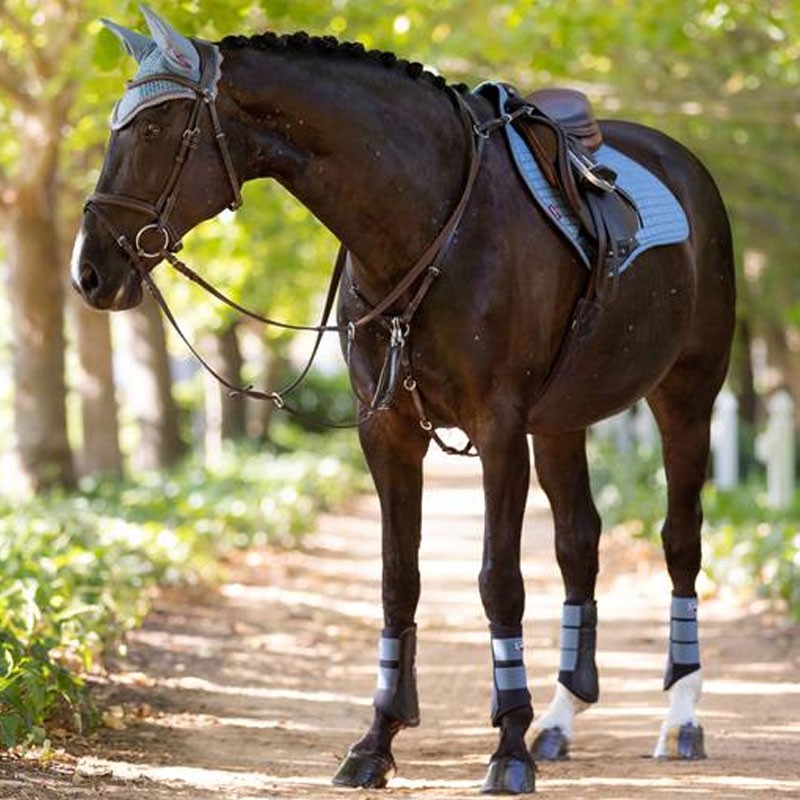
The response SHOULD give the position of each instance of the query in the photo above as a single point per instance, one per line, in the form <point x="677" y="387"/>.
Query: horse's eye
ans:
<point x="152" y="130"/>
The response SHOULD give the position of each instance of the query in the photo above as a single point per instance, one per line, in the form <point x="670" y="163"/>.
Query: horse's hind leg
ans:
<point x="682" y="405"/>
<point x="564" y="475"/>
<point x="394" y="449"/>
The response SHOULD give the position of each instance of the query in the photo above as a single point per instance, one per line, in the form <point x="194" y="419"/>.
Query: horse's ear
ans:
<point x="180" y="52"/>
<point x="135" y="44"/>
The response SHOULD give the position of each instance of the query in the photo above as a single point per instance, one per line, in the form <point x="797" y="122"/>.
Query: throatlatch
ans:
<point x="396" y="695"/>
<point x="683" y="657"/>
<point x="509" y="679"/>
<point x="578" y="671"/>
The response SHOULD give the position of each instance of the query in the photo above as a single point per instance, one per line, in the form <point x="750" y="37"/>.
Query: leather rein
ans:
<point x="424" y="271"/>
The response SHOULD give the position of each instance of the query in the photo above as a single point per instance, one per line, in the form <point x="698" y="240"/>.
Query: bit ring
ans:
<point x="164" y="248"/>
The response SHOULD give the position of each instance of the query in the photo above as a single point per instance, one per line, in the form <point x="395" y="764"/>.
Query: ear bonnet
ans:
<point x="166" y="53"/>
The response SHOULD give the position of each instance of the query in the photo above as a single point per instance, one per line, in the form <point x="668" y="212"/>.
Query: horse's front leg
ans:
<point x="506" y="472"/>
<point x="564" y="475"/>
<point x="394" y="448"/>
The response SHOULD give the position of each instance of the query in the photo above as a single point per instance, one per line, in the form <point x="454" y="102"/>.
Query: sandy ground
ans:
<point x="256" y="692"/>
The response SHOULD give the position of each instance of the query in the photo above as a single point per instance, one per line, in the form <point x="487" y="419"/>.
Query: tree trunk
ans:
<point x="742" y="372"/>
<point x="36" y="298"/>
<point x="783" y="343"/>
<point x="260" y="412"/>
<point x="148" y="387"/>
<point x="225" y="416"/>
<point x="100" y="454"/>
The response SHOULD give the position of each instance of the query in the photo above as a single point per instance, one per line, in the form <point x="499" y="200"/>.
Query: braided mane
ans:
<point x="332" y="47"/>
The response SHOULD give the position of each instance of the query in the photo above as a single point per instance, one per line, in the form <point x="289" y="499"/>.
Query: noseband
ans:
<point x="158" y="213"/>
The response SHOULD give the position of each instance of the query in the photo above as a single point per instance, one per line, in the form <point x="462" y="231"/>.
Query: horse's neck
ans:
<point x="377" y="156"/>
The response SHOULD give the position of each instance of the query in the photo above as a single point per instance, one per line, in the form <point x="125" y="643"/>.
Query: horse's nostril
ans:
<point x="89" y="279"/>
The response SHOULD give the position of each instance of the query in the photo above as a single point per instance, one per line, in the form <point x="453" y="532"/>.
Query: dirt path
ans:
<point x="258" y="692"/>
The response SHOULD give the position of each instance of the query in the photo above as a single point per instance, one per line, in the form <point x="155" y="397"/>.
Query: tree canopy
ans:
<point x="723" y="76"/>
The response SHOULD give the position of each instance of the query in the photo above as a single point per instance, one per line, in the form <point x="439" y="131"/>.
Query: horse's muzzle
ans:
<point x="110" y="287"/>
<point x="105" y="295"/>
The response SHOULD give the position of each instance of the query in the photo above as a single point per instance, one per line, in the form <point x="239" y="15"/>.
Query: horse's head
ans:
<point x="166" y="169"/>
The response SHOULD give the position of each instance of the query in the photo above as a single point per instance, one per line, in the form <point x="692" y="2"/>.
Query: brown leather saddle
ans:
<point x="560" y="130"/>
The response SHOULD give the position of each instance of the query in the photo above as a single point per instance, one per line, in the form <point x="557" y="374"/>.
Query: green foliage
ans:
<point x="77" y="569"/>
<point x="747" y="545"/>
<point x="750" y="545"/>
<point x="628" y="486"/>
<point x="326" y="397"/>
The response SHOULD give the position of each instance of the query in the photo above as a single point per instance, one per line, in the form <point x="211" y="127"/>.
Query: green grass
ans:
<point x="78" y="570"/>
<point x="749" y="545"/>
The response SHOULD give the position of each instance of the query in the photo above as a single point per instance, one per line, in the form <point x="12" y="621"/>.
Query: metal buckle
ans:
<point x="400" y="331"/>
<point x="140" y="251"/>
<point x="485" y="129"/>
<point x="586" y="167"/>
<point x="192" y="135"/>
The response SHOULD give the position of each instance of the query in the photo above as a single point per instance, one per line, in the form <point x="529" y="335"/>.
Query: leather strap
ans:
<point x="428" y="264"/>
<point x="160" y="211"/>
<point x="434" y="255"/>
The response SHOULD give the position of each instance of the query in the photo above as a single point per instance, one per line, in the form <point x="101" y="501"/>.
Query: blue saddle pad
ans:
<point x="662" y="219"/>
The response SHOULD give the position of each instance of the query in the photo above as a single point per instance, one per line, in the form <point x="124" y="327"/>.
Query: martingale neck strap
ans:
<point x="431" y="261"/>
<point x="423" y="272"/>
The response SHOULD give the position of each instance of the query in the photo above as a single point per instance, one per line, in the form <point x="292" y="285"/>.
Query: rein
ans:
<point x="425" y="269"/>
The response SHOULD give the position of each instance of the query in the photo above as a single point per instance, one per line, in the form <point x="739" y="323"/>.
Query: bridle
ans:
<point x="421" y="275"/>
<point x="158" y="214"/>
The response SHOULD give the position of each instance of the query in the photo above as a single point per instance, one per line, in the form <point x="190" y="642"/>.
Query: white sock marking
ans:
<point x="683" y="699"/>
<point x="561" y="712"/>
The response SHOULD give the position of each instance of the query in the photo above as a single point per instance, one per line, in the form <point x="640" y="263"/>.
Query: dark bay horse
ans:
<point x="384" y="154"/>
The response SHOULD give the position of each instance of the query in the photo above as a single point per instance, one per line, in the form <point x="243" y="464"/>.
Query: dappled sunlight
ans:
<point x="199" y="645"/>
<point x="760" y="688"/>
<point x="356" y="609"/>
<point x="203" y="721"/>
<point x="631" y="660"/>
<point x="712" y="785"/>
<point x="452" y="504"/>
<point x="202" y="778"/>
<point x="764" y="668"/>
<point x="263" y="693"/>
<point x="435" y="783"/>
<point x="260" y="693"/>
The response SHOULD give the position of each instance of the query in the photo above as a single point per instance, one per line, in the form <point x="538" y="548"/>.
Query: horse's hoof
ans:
<point x="365" y="770"/>
<point x="685" y="743"/>
<point x="508" y="775"/>
<point x="550" y="745"/>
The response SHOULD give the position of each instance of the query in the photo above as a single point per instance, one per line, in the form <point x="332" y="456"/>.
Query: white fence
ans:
<point x="775" y="446"/>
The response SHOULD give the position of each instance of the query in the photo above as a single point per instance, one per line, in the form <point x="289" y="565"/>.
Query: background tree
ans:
<point x="35" y="98"/>
<point x="722" y="77"/>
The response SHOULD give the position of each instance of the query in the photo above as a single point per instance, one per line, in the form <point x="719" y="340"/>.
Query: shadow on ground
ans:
<point x="258" y="691"/>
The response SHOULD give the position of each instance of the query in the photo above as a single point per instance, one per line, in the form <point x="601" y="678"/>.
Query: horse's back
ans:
<point x="674" y="304"/>
<point x="710" y="241"/>
<point x="691" y="183"/>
